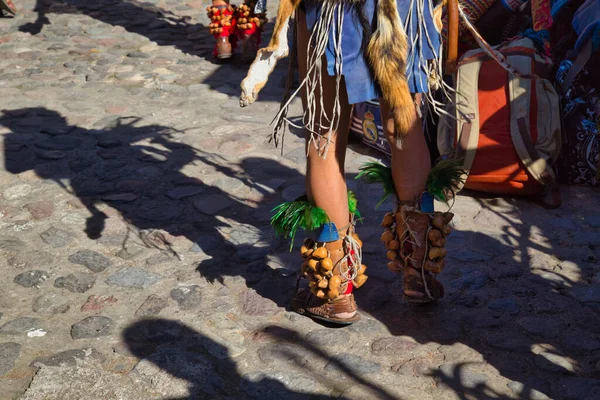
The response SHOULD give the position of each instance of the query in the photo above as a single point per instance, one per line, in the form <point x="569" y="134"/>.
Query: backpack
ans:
<point x="505" y="124"/>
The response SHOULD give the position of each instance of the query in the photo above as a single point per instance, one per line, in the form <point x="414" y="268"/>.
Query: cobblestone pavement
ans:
<point x="137" y="261"/>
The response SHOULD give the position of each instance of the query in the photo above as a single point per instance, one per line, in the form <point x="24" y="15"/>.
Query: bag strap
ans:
<point x="452" y="40"/>
<point x="582" y="58"/>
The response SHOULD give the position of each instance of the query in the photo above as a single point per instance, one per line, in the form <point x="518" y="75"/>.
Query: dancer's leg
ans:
<point x="410" y="166"/>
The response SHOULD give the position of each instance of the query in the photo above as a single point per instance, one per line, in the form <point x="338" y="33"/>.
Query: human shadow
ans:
<point x="138" y="174"/>
<point x="520" y="298"/>
<point x="164" y="28"/>
<point x="210" y="372"/>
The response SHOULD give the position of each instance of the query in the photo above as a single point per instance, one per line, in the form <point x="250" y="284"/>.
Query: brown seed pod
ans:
<point x="388" y="220"/>
<point x="308" y="242"/>
<point x="323" y="284"/>
<point x="436" y="253"/>
<point x="334" y="282"/>
<point x="313" y="264"/>
<point x="393" y="245"/>
<point x="387" y="236"/>
<point x="243" y="20"/>
<point x="361" y="270"/>
<point x="394" y="266"/>
<point x="303" y="251"/>
<point x="446" y="230"/>
<point x="318" y="276"/>
<point x="433" y="266"/>
<point x="448" y="217"/>
<point x="360" y="280"/>
<point x="320" y="253"/>
<point x="326" y="264"/>
<point x="312" y="285"/>
<point x="438" y="221"/>
<point x="320" y="294"/>
<point x="399" y="219"/>
<point x="434" y="235"/>
<point x="439" y="243"/>
<point x="333" y="294"/>
<point x="391" y="255"/>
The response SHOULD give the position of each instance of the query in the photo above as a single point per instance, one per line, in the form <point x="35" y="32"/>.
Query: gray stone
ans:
<point x="59" y="143"/>
<point x="56" y="237"/>
<point x="9" y="352"/>
<point x="327" y="337"/>
<point x="20" y="325"/>
<point x="212" y="204"/>
<point x="525" y="392"/>
<point x="69" y="357"/>
<point x="512" y="341"/>
<point x="188" y="297"/>
<point x="40" y="209"/>
<point x="587" y="294"/>
<point x="17" y="191"/>
<point x="11" y="244"/>
<point x="76" y="283"/>
<point x="93" y="260"/>
<point x="284" y="352"/>
<point x="473" y="281"/>
<point x="31" y="278"/>
<point x="50" y="304"/>
<point x="543" y="326"/>
<point x="392" y="346"/>
<point x="470" y="255"/>
<point x="506" y="271"/>
<point x="357" y="365"/>
<point x="254" y="304"/>
<point x="121" y="197"/>
<point x="92" y="327"/>
<point x="554" y="363"/>
<point x="160" y="211"/>
<point x="366" y="326"/>
<point x="205" y="243"/>
<point x="138" y="54"/>
<point x="463" y="376"/>
<point x="254" y="253"/>
<point x="50" y="154"/>
<point x="170" y="371"/>
<point x="507" y="305"/>
<point x="133" y="277"/>
<point x="152" y="306"/>
<point x="32" y="259"/>
<point x="288" y="385"/>
<point x="182" y="192"/>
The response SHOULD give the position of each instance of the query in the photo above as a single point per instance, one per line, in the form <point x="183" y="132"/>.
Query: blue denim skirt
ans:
<point x="423" y="37"/>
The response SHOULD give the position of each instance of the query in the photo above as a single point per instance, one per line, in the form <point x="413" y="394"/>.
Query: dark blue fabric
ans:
<point x="359" y="81"/>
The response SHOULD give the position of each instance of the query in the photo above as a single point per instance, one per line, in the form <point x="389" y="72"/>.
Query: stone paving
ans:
<point x="138" y="263"/>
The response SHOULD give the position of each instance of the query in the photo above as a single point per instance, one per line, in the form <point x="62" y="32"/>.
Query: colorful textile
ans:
<point x="586" y="23"/>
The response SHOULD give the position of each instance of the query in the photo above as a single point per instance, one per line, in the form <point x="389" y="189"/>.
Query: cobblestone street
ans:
<point x="137" y="259"/>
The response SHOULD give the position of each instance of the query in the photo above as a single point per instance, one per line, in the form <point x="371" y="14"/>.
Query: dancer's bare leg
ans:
<point x="410" y="166"/>
<point x="325" y="180"/>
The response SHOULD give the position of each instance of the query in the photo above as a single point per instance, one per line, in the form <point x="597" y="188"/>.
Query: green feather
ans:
<point x="353" y="205"/>
<point x="375" y="172"/>
<point x="445" y="177"/>
<point x="290" y="216"/>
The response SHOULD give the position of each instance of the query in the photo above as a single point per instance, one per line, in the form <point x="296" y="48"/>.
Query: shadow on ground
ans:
<point x="529" y="314"/>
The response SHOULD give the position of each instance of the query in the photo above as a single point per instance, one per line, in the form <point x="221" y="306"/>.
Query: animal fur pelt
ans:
<point x="386" y="52"/>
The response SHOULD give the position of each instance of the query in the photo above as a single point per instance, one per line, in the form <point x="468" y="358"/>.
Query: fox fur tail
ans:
<point x="387" y="53"/>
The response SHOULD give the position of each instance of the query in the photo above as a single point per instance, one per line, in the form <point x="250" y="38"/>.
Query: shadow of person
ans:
<point x="175" y="358"/>
<point x="517" y="300"/>
<point x="161" y="188"/>
<point x="166" y="29"/>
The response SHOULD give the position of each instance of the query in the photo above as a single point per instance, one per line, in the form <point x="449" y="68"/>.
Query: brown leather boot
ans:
<point x="416" y="246"/>
<point x="329" y="294"/>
